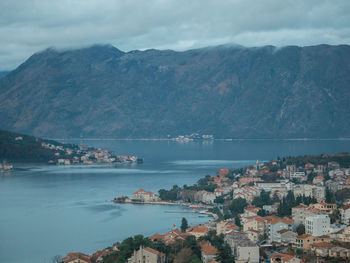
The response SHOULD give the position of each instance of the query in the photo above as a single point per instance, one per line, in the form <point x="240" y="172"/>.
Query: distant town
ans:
<point x="289" y="210"/>
<point x="82" y="154"/>
<point x="17" y="148"/>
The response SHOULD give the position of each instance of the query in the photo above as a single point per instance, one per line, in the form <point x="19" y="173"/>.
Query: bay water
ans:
<point x="52" y="210"/>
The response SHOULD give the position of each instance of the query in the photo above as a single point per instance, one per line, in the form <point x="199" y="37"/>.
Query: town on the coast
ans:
<point x="82" y="154"/>
<point x="289" y="210"/>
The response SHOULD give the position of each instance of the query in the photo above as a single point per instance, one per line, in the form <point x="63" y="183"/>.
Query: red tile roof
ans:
<point x="209" y="249"/>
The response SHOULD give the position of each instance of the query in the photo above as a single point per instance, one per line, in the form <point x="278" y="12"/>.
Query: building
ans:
<point x="316" y="191"/>
<point x="256" y="223"/>
<point x="147" y="255"/>
<point x="225" y="226"/>
<point x="325" y="207"/>
<point x="237" y="239"/>
<point x="284" y="258"/>
<point x="321" y="249"/>
<point x="97" y="257"/>
<point x="76" y="258"/>
<point x="145" y="196"/>
<point x="247" y="253"/>
<point x="345" y="214"/>
<point x="274" y="225"/>
<point x="208" y="252"/>
<point x="170" y="237"/>
<point x="305" y="241"/>
<point x="339" y="252"/>
<point x="198" y="231"/>
<point x="207" y="197"/>
<point x="286" y="236"/>
<point x="317" y="225"/>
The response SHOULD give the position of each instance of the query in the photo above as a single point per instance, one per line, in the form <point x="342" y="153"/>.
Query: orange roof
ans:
<point x="303" y="236"/>
<point x="283" y="257"/>
<point x="322" y="244"/>
<point x="345" y="207"/>
<point x="153" y="251"/>
<point x="209" y="249"/>
<point x="156" y="236"/>
<point x="142" y="191"/>
<point x="198" y="229"/>
<point x="76" y="255"/>
<point x="275" y="219"/>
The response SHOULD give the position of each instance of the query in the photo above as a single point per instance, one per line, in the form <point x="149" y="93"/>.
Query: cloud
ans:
<point x="29" y="26"/>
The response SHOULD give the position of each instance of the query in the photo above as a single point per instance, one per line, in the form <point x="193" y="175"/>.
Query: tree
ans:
<point x="184" y="224"/>
<point x="237" y="206"/>
<point x="335" y="216"/>
<point x="238" y="221"/>
<point x="300" y="229"/>
<point x="184" y="256"/>
<point x="263" y="199"/>
<point x="330" y="199"/>
<point x="262" y="212"/>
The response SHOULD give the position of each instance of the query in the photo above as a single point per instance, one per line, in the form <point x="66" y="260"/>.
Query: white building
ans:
<point x="248" y="254"/>
<point x="310" y="190"/>
<point x="145" y="196"/>
<point x="317" y="225"/>
<point x="345" y="214"/>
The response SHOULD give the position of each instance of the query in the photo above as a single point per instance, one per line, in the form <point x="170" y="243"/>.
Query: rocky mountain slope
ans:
<point x="228" y="91"/>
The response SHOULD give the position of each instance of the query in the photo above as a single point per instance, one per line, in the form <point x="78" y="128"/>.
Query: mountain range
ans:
<point x="228" y="91"/>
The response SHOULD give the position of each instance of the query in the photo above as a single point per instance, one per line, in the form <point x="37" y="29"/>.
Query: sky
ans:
<point x="28" y="26"/>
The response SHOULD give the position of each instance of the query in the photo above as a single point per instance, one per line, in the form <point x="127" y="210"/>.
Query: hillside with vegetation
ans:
<point x="226" y="91"/>
<point x="15" y="147"/>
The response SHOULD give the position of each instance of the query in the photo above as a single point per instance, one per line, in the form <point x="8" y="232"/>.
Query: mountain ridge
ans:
<point x="227" y="91"/>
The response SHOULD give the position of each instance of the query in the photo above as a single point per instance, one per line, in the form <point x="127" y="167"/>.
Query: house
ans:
<point x="170" y="237"/>
<point x="198" y="231"/>
<point x="318" y="180"/>
<point x="97" y="257"/>
<point x="306" y="240"/>
<point x="318" y="225"/>
<point x="207" y="197"/>
<point x="321" y="249"/>
<point x="309" y="166"/>
<point x="76" y="258"/>
<point x="339" y="252"/>
<point x="284" y="258"/>
<point x="286" y="236"/>
<point x="220" y="191"/>
<point x="208" y="252"/>
<point x="115" y="246"/>
<point x="225" y="226"/>
<point x="345" y="214"/>
<point x="253" y="235"/>
<point x="236" y="239"/>
<point x="316" y="191"/>
<point x="223" y="172"/>
<point x="256" y="223"/>
<point x="245" y="180"/>
<point x="275" y="224"/>
<point x="291" y="168"/>
<point x="300" y="176"/>
<point x="325" y="207"/>
<point x="247" y="253"/>
<point x="147" y="255"/>
<point x="145" y="196"/>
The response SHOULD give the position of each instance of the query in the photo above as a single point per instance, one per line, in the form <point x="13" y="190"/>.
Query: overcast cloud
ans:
<point x="30" y="26"/>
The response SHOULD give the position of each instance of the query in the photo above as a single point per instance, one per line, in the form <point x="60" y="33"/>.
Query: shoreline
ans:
<point x="195" y="208"/>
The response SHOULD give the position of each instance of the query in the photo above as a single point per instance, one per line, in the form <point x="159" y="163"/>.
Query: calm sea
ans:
<point x="51" y="210"/>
